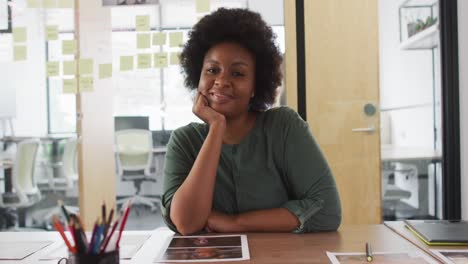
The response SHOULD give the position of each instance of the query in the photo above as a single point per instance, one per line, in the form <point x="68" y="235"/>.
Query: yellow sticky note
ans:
<point x="143" y="41"/>
<point x="159" y="38"/>
<point x="160" y="60"/>
<point x="65" y="4"/>
<point x="105" y="71"/>
<point x="175" y="58"/>
<point x="51" y="32"/>
<point x="53" y="68"/>
<point x="69" y="86"/>
<point x="142" y="23"/>
<point x="176" y="39"/>
<point x="203" y="6"/>
<point x="19" y="34"/>
<point x="86" y="66"/>
<point x="126" y="63"/>
<point x="86" y="84"/>
<point x="69" y="67"/>
<point x="144" y="61"/>
<point x="19" y="53"/>
<point x="68" y="47"/>
<point x="50" y="3"/>
<point x="33" y="3"/>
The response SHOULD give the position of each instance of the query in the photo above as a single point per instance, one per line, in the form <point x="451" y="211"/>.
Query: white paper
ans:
<point x="381" y="257"/>
<point x="17" y="250"/>
<point x="452" y="256"/>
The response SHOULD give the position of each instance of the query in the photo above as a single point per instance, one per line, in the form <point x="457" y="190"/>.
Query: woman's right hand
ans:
<point x="202" y="109"/>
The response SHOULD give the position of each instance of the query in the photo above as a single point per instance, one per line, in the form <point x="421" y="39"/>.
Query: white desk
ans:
<point x="392" y="153"/>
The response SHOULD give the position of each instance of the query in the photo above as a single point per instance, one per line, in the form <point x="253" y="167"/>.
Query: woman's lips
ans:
<point x="220" y="98"/>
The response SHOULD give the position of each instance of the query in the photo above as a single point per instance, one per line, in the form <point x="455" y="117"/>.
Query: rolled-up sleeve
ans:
<point x="312" y="189"/>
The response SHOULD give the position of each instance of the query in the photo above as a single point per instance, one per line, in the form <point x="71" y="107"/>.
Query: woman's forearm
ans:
<point x="192" y="202"/>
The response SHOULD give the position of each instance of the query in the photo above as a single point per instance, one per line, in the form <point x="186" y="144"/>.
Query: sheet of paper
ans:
<point x="206" y="249"/>
<point x="175" y="60"/>
<point x="86" y="84"/>
<point x="19" y="34"/>
<point x="160" y="60"/>
<point x="20" y="53"/>
<point x="69" y="86"/>
<point x="18" y="250"/>
<point x="86" y="66"/>
<point x="51" y="32"/>
<point x="176" y="39"/>
<point x="65" y="4"/>
<point x="142" y="23"/>
<point x="381" y="257"/>
<point x="203" y="6"/>
<point x="53" y="68"/>
<point x="126" y="63"/>
<point x="105" y="71"/>
<point x="50" y="3"/>
<point x="143" y="41"/>
<point x="452" y="256"/>
<point x="144" y="61"/>
<point x="69" y="47"/>
<point x="69" y="67"/>
<point x="159" y="38"/>
<point x="33" y="3"/>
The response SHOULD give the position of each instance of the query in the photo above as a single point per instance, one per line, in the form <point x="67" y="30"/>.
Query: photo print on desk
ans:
<point x="452" y="256"/>
<point x="381" y="257"/>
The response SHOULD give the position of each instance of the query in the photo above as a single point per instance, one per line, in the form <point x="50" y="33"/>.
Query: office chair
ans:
<point x="391" y="193"/>
<point x="134" y="151"/>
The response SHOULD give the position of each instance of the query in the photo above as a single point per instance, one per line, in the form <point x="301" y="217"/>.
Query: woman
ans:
<point x="248" y="168"/>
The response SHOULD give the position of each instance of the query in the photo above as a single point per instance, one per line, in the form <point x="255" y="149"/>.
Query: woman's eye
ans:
<point x="212" y="70"/>
<point x="237" y="74"/>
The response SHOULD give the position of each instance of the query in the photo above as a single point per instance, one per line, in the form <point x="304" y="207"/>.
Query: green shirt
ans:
<point x="278" y="164"/>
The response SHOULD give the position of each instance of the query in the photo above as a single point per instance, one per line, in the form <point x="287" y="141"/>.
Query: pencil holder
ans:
<point x="111" y="257"/>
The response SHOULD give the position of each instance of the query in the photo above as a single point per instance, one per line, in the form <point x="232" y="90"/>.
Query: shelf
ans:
<point x="426" y="39"/>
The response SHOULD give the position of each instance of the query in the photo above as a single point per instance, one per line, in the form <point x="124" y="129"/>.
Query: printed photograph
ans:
<point x="456" y="257"/>
<point x="203" y="253"/>
<point x="381" y="258"/>
<point x="129" y="2"/>
<point x="206" y="241"/>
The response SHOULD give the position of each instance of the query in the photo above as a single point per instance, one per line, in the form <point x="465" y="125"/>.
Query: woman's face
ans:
<point x="227" y="78"/>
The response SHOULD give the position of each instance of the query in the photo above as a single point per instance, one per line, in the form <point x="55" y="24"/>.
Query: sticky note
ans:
<point x="143" y="41"/>
<point x="160" y="60"/>
<point x="142" y="23"/>
<point x="69" y="67"/>
<point x="19" y="53"/>
<point x="19" y="34"/>
<point x="144" y="61"/>
<point x="50" y="3"/>
<point x="53" y="68"/>
<point x="65" y="4"/>
<point x="69" y="86"/>
<point x="86" y="84"/>
<point x="175" y="58"/>
<point x="159" y="38"/>
<point x="126" y="63"/>
<point x="33" y="3"/>
<point x="85" y="66"/>
<point x="69" y="47"/>
<point x="51" y="32"/>
<point x="105" y="71"/>
<point x="175" y="39"/>
<point x="203" y="6"/>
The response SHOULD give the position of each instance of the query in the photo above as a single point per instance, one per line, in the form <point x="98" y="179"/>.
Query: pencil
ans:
<point x="369" y="256"/>
<point x="109" y="236"/>
<point x="124" y="221"/>
<point x="58" y="226"/>
<point x="64" y="210"/>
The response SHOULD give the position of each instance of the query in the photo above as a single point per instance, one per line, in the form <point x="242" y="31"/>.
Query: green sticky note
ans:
<point x="53" y="68"/>
<point x="86" y="84"/>
<point x="143" y="41"/>
<point x="126" y="63"/>
<point x="159" y="38"/>
<point x="203" y="6"/>
<point x="51" y="32"/>
<point x="69" y="86"/>
<point x="85" y="66"/>
<point x="19" y="34"/>
<point x="105" y="71"/>
<point x="65" y="4"/>
<point x="176" y="39"/>
<point x="50" y="3"/>
<point x="144" y="61"/>
<point x="142" y="23"/>
<point x="175" y="58"/>
<point x="160" y="60"/>
<point x="19" y="53"/>
<point x="33" y="3"/>
<point x="69" y="67"/>
<point x="69" y="47"/>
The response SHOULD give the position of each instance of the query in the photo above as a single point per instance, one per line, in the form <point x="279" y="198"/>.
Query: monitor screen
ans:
<point x="131" y="122"/>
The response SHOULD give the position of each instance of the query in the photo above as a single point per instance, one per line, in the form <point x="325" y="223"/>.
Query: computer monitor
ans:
<point x="131" y="122"/>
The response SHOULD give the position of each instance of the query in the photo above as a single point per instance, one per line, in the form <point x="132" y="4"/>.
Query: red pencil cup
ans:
<point x="111" y="257"/>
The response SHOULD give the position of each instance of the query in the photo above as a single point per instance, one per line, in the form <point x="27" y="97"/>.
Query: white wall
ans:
<point x="463" y="69"/>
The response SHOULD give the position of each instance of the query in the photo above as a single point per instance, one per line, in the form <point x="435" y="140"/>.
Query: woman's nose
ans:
<point x="222" y="80"/>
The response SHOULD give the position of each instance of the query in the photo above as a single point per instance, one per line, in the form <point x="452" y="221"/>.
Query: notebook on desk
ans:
<point x="440" y="232"/>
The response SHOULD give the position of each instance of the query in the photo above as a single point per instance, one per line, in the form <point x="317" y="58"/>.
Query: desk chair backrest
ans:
<point x="69" y="161"/>
<point x="23" y="170"/>
<point x="134" y="148"/>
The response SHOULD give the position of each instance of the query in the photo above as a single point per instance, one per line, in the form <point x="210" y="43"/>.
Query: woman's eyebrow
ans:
<point x="211" y="61"/>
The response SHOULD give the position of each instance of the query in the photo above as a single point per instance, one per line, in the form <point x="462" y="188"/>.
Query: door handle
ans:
<point x="369" y="129"/>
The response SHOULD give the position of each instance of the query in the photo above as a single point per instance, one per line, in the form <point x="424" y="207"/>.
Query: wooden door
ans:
<point x="342" y="71"/>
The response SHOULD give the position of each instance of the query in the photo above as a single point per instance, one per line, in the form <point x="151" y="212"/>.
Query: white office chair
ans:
<point x="134" y="151"/>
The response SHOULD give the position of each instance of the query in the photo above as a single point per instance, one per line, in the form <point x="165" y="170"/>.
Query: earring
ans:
<point x="252" y="96"/>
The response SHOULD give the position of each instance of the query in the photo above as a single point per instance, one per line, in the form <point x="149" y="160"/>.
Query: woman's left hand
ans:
<point x="221" y="223"/>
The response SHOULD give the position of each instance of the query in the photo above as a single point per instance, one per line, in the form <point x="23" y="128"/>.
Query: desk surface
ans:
<point x="264" y="247"/>
<point x="392" y="153"/>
